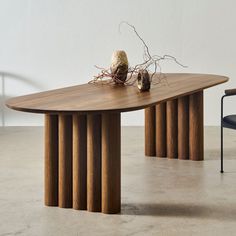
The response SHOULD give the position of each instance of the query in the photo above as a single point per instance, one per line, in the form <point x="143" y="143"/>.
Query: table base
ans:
<point x="82" y="162"/>
<point x="83" y="152"/>
<point x="174" y="129"/>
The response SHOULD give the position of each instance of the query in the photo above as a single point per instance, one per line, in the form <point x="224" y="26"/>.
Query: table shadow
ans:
<point x="180" y="210"/>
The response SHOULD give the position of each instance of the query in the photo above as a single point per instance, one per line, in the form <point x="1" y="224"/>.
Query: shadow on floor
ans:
<point x="214" y="153"/>
<point x="181" y="210"/>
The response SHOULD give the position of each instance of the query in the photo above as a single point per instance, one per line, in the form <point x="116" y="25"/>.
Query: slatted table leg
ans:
<point x="94" y="163"/>
<point x="111" y="163"/>
<point x="150" y="127"/>
<point x="183" y="128"/>
<point x="65" y="161"/>
<point x="161" y="130"/>
<point x="79" y="162"/>
<point x="172" y="128"/>
<point x="51" y="160"/>
<point x="196" y="139"/>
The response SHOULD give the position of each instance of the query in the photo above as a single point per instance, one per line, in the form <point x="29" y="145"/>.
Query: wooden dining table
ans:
<point x="83" y="134"/>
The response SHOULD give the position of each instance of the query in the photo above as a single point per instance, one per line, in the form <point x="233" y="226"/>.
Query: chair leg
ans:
<point x="221" y="151"/>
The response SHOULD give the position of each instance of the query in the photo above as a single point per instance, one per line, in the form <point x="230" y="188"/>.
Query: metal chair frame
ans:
<point x="228" y="93"/>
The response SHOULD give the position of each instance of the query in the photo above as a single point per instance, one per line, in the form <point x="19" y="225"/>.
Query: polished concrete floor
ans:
<point x="159" y="196"/>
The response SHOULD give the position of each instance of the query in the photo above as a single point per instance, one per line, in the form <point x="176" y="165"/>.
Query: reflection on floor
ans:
<point x="159" y="196"/>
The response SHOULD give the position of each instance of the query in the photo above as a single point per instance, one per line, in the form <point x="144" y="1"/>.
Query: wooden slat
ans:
<point x="196" y="139"/>
<point x="65" y="161"/>
<point x="79" y="162"/>
<point x="94" y="163"/>
<point x="172" y="128"/>
<point x="150" y="131"/>
<point x="161" y="130"/>
<point x="183" y="128"/>
<point x="111" y="163"/>
<point x="51" y="160"/>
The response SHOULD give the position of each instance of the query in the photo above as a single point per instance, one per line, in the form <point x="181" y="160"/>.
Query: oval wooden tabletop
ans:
<point x="113" y="98"/>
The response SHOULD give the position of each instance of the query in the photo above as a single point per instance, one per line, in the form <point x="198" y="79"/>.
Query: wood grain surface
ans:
<point x="108" y="98"/>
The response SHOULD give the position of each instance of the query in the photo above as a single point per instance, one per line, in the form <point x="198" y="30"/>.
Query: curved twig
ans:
<point x="149" y="61"/>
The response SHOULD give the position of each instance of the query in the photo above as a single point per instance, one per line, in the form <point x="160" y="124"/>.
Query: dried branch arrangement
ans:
<point x="121" y="73"/>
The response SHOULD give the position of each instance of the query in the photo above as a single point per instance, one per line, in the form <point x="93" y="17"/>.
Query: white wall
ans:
<point x="46" y="44"/>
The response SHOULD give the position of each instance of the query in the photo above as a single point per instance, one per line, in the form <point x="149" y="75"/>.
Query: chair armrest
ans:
<point x="230" y="91"/>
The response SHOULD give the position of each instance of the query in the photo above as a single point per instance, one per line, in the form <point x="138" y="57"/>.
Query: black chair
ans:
<point x="227" y="121"/>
